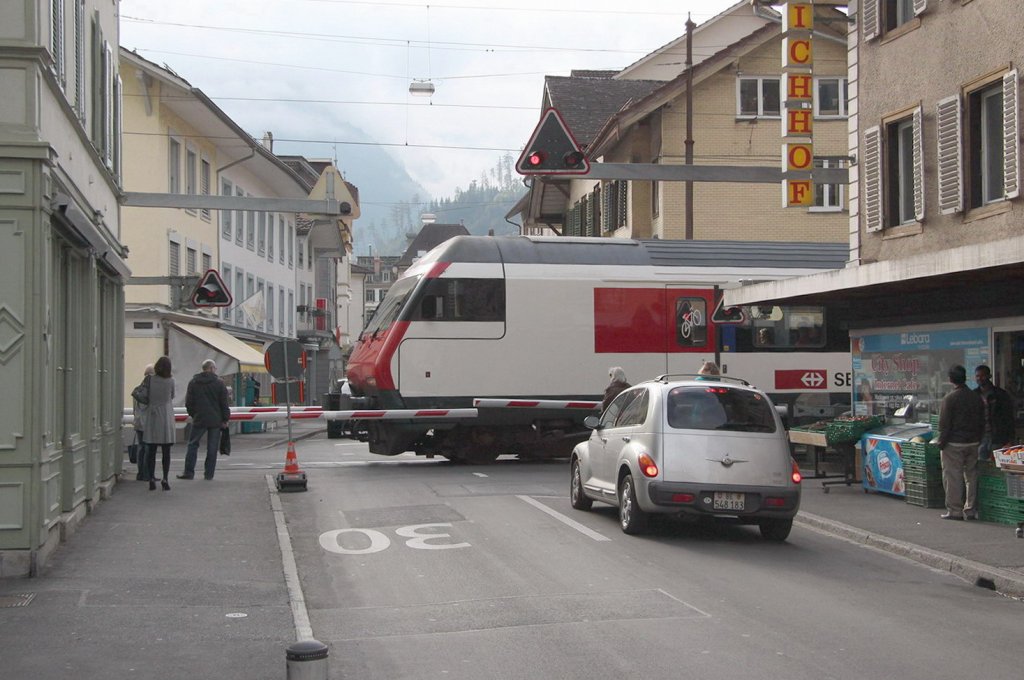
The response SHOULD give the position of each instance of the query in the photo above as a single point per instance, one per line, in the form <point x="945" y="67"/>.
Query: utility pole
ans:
<point x="688" y="232"/>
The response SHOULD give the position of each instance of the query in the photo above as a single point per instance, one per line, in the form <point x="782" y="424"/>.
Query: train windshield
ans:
<point x="391" y="306"/>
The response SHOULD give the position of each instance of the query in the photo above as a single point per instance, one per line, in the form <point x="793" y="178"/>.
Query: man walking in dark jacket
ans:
<point x="1000" y="428"/>
<point x="206" y="401"/>
<point x="961" y="424"/>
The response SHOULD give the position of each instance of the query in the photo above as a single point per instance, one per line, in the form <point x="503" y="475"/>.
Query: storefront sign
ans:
<point x="798" y="114"/>
<point x="889" y="368"/>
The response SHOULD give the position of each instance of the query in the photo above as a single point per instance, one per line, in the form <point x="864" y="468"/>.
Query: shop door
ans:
<point x="1008" y="371"/>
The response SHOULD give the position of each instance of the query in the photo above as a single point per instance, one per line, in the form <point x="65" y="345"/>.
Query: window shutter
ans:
<point x="872" y="173"/>
<point x="869" y="18"/>
<point x="920" y="6"/>
<point x="80" y="59"/>
<point x="623" y="192"/>
<point x="57" y="39"/>
<point x="918" y="164"/>
<point x="1011" y="135"/>
<point x="950" y="162"/>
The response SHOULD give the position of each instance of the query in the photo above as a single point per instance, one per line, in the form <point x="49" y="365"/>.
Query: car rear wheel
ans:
<point x="631" y="517"/>
<point x="776" y="529"/>
<point x="578" y="499"/>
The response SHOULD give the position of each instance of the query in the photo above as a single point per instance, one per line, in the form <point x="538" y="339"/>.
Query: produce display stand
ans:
<point x="819" y="444"/>
<point x="1011" y="461"/>
<point x="842" y="435"/>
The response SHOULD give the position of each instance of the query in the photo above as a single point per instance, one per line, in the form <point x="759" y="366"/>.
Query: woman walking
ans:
<point x="159" y="422"/>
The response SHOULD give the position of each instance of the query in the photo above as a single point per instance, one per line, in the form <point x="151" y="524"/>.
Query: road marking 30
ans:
<point x="379" y="541"/>
<point x="589" y="533"/>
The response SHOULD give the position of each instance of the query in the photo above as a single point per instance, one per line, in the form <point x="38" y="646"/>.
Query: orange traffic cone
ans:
<point x="292" y="478"/>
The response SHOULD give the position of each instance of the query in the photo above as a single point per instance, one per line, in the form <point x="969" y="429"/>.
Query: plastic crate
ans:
<point x="1015" y="486"/>
<point x="925" y="495"/>
<point x="849" y="429"/>
<point x="933" y="421"/>
<point x="921" y="454"/>
<point x="922" y="475"/>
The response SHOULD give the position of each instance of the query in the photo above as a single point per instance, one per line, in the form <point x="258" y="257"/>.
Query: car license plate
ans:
<point x="728" y="501"/>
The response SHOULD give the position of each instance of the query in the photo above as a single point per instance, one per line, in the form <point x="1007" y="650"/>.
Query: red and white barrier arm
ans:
<point x="253" y="409"/>
<point x="403" y="414"/>
<point x="534" y="403"/>
<point x="394" y="414"/>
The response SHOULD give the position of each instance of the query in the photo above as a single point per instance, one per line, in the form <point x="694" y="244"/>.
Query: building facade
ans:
<point x="736" y="120"/>
<point x="936" y="236"/>
<point x="63" y="271"/>
<point x="280" y="266"/>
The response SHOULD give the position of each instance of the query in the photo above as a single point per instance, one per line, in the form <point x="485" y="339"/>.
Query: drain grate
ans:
<point x="16" y="600"/>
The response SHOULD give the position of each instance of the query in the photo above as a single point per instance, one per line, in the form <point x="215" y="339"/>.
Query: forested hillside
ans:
<point x="481" y="207"/>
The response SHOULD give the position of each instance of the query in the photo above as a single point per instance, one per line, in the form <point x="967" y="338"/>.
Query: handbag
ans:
<point x="225" y="442"/>
<point x="133" y="453"/>
<point x="141" y="392"/>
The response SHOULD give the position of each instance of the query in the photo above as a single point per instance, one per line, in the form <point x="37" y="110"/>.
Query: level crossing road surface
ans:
<point x="416" y="568"/>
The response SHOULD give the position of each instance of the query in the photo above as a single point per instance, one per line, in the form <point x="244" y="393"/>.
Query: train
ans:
<point x="514" y="320"/>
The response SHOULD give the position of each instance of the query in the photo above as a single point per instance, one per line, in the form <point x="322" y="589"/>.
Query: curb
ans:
<point x="983" y="575"/>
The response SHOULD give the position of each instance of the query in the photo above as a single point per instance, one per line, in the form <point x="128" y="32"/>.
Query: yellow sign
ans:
<point x="798" y="122"/>
<point x="799" y="193"/>
<point x="798" y="86"/>
<point x="797" y="53"/>
<point x="798" y="16"/>
<point x="799" y="157"/>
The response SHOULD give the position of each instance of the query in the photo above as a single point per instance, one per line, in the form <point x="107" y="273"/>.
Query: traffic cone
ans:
<point x="292" y="478"/>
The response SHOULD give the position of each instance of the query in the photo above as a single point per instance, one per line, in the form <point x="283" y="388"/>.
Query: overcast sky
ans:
<point x="303" y="69"/>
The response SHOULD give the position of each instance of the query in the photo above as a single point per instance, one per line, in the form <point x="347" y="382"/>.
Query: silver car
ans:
<point x="697" y="446"/>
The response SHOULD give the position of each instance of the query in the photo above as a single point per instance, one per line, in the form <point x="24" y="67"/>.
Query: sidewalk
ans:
<point x="984" y="553"/>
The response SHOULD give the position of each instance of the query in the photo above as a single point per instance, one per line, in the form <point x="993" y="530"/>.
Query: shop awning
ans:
<point x="190" y="345"/>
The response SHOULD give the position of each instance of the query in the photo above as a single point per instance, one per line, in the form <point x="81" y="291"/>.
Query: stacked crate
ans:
<point x="922" y="469"/>
<point x="849" y="429"/>
<point x="1000" y="495"/>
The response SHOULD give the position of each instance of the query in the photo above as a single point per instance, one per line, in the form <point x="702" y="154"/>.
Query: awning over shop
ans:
<point x="190" y="345"/>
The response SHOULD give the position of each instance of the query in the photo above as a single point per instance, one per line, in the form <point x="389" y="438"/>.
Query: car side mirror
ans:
<point x="593" y="422"/>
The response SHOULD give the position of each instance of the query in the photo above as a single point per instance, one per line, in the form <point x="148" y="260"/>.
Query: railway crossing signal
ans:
<point x="211" y="291"/>
<point x="552" y="150"/>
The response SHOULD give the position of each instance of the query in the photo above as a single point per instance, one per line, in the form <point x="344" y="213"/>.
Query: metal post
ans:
<point x="306" y="660"/>
<point x="287" y="391"/>
<point x="688" y="215"/>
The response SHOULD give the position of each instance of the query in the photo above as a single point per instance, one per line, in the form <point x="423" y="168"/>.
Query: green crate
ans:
<point x="1000" y="517"/>
<point x="925" y="495"/>
<point x="922" y="454"/>
<point x="922" y="475"/>
<point x="850" y="429"/>
<point x="933" y="421"/>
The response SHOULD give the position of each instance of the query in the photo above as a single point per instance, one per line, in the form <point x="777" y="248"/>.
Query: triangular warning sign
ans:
<point x="211" y="291"/>
<point x="724" y="314"/>
<point x="552" y="150"/>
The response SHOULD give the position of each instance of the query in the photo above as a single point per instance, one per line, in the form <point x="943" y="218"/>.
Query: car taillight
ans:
<point x="796" y="476"/>
<point x="648" y="466"/>
<point x="773" y="502"/>
<point x="682" y="497"/>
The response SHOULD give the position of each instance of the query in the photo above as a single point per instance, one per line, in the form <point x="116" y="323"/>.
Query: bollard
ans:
<point x="307" y="660"/>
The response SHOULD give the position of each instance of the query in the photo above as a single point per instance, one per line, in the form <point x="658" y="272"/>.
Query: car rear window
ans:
<point x="719" y="407"/>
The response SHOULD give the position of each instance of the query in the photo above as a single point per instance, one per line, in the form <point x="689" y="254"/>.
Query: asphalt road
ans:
<point x="415" y="568"/>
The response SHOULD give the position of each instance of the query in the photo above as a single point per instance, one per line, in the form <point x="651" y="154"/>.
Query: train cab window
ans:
<point x="391" y="306"/>
<point x="461" y="300"/>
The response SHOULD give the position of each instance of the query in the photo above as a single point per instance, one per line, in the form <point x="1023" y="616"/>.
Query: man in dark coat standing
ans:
<point x="206" y="401"/>
<point x="1000" y="428"/>
<point x="961" y="425"/>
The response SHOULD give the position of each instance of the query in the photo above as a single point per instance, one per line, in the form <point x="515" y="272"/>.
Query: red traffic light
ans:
<point x="573" y="159"/>
<point x="535" y="158"/>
